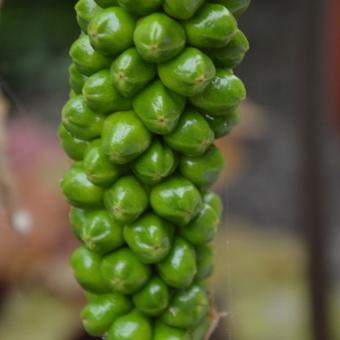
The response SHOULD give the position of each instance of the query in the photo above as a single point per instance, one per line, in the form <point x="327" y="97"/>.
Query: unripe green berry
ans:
<point x="123" y="271"/>
<point x="87" y="60"/>
<point x="111" y="31"/>
<point x="158" y="38"/>
<point x="124" y="137"/>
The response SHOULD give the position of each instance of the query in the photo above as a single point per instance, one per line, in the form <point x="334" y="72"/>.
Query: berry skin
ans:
<point x="87" y="60"/>
<point x="76" y="79"/>
<point x="152" y="86"/>
<point x="98" y="315"/>
<point x="224" y="93"/>
<point x="80" y="121"/>
<point x="140" y="8"/>
<point x="106" y="3"/>
<point x="192" y="135"/>
<point x="179" y="268"/>
<point x="182" y="9"/>
<point x="203" y="228"/>
<point x="126" y="200"/>
<point x="78" y="190"/>
<point x="159" y="108"/>
<point x="176" y="199"/>
<point x="237" y="7"/>
<point x="97" y="230"/>
<point x="154" y="298"/>
<point x="165" y="332"/>
<point x="158" y="38"/>
<point x="205" y="261"/>
<point x="111" y="31"/>
<point x="212" y="26"/>
<point x="203" y="171"/>
<point x="98" y="168"/>
<point x="86" y="10"/>
<point x="231" y="55"/>
<point x="130" y="73"/>
<point x="187" y="308"/>
<point x="223" y="125"/>
<point x="86" y="268"/>
<point x="75" y="148"/>
<point x="100" y="96"/>
<point x="123" y="271"/>
<point x="149" y="238"/>
<point x="131" y="326"/>
<point x="124" y="137"/>
<point x="189" y="74"/>
<point x="155" y="164"/>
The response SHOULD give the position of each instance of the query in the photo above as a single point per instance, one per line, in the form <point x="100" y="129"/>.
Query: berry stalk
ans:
<point x="152" y="88"/>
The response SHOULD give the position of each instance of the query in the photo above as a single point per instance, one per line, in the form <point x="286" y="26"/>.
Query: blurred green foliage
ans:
<point x="34" y="39"/>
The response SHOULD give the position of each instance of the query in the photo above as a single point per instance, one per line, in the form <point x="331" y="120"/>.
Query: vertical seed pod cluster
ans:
<point x="152" y="88"/>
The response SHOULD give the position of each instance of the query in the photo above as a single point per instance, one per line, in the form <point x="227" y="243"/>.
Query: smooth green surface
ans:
<point x="76" y="79"/>
<point x="78" y="190"/>
<point x="140" y="7"/>
<point x="203" y="171"/>
<point x="158" y="38"/>
<point x="99" y="232"/>
<point x="77" y="218"/>
<point x="111" y="31"/>
<point x="214" y="200"/>
<point x="155" y="164"/>
<point x="187" y="308"/>
<point x="188" y="74"/>
<point x="182" y="9"/>
<point x="87" y="60"/>
<point x="133" y="326"/>
<point x="98" y="316"/>
<point x="159" y="108"/>
<point x="86" y="269"/>
<point x="237" y="7"/>
<point x="192" y="135"/>
<point x="224" y="93"/>
<point x="123" y="271"/>
<point x="201" y="330"/>
<point x="179" y="268"/>
<point x="231" y="55"/>
<point x="75" y="148"/>
<point x="130" y="73"/>
<point x="153" y="298"/>
<point x="223" y="125"/>
<point x="124" y="137"/>
<point x="205" y="261"/>
<point x="98" y="167"/>
<point x="176" y="199"/>
<point x="80" y="121"/>
<point x="202" y="229"/>
<point x="86" y="10"/>
<point x="149" y="238"/>
<point x="101" y="96"/>
<point x="165" y="332"/>
<point x="126" y="200"/>
<point x="106" y="3"/>
<point x="212" y="26"/>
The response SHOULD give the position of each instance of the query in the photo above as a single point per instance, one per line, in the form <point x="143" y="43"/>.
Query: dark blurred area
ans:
<point x="278" y="251"/>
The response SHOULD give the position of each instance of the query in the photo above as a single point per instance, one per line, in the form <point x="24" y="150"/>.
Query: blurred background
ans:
<point x="278" y="250"/>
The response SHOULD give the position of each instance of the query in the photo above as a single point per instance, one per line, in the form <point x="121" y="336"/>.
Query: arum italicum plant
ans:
<point x="152" y="87"/>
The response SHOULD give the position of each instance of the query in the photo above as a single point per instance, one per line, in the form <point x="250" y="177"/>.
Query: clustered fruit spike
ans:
<point x="152" y="88"/>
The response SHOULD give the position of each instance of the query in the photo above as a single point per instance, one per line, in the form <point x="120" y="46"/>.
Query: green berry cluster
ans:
<point x="152" y="88"/>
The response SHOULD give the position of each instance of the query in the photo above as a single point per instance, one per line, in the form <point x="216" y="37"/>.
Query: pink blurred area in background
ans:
<point x="36" y="163"/>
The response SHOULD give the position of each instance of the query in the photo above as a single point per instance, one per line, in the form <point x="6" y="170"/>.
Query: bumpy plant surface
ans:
<point x="152" y="88"/>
